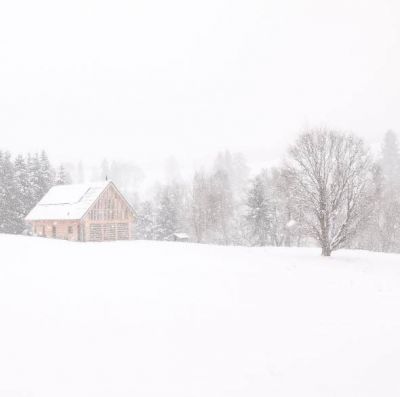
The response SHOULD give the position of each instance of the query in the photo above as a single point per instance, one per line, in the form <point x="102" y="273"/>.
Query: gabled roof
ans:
<point x="67" y="202"/>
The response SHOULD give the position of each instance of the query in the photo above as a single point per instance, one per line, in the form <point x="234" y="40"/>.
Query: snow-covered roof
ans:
<point x="180" y="235"/>
<point x="67" y="202"/>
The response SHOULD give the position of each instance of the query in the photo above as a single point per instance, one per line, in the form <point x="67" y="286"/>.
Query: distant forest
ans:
<point x="330" y="190"/>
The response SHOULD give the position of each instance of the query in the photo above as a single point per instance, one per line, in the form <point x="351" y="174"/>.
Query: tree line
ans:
<point x="330" y="189"/>
<point x="24" y="180"/>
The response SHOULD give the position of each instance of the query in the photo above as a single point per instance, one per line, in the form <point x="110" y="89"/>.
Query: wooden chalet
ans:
<point x="87" y="212"/>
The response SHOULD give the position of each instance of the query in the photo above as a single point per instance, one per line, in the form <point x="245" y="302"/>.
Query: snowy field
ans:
<point x="181" y="320"/>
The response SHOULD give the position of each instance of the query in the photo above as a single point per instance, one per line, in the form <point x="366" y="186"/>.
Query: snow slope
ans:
<point x="182" y="320"/>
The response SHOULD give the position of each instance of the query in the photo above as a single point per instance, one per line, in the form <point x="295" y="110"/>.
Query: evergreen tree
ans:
<point x="34" y="177"/>
<point x="199" y="218"/>
<point x="46" y="174"/>
<point x="171" y="209"/>
<point x="388" y="226"/>
<point x="145" y="221"/>
<point x="259" y="212"/>
<point x="62" y="176"/>
<point x="9" y="202"/>
<point x="166" y="221"/>
<point x="24" y="192"/>
<point x="371" y="235"/>
<point x="168" y="212"/>
<point x="23" y="182"/>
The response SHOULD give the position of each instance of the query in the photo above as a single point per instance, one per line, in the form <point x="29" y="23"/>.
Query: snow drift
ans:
<point x="180" y="320"/>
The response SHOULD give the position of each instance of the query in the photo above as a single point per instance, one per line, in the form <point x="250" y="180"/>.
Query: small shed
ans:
<point x="85" y="212"/>
<point x="183" y="237"/>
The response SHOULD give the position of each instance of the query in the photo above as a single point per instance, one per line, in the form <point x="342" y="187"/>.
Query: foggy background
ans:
<point x="141" y="81"/>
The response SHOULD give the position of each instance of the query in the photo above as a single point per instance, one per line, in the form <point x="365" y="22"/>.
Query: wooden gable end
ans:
<point x="110" y="206"/>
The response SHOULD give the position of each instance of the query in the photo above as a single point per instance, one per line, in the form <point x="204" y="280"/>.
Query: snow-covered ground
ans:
<point x="182" y="320"/>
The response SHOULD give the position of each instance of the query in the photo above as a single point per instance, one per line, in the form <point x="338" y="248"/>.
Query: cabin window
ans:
<point x="54" y="231"/>
<point x="43" y="230"/>
<point x="70" y="229"/>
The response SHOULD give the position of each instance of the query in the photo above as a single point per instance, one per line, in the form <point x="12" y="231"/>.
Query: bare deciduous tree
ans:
<point x="330" y="172"/>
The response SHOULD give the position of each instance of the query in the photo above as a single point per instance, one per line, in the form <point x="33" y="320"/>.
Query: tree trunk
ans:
<point x="326" y="251"/>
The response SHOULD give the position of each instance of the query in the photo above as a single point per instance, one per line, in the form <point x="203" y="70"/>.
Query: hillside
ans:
<point x="182" y="320"/>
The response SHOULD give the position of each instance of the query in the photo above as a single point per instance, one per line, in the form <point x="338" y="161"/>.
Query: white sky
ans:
<point x="143" y="80"/>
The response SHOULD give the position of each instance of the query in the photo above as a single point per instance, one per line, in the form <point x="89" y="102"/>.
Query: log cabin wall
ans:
<point x="61" y="229"/>
<point x="109" y="218"/>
